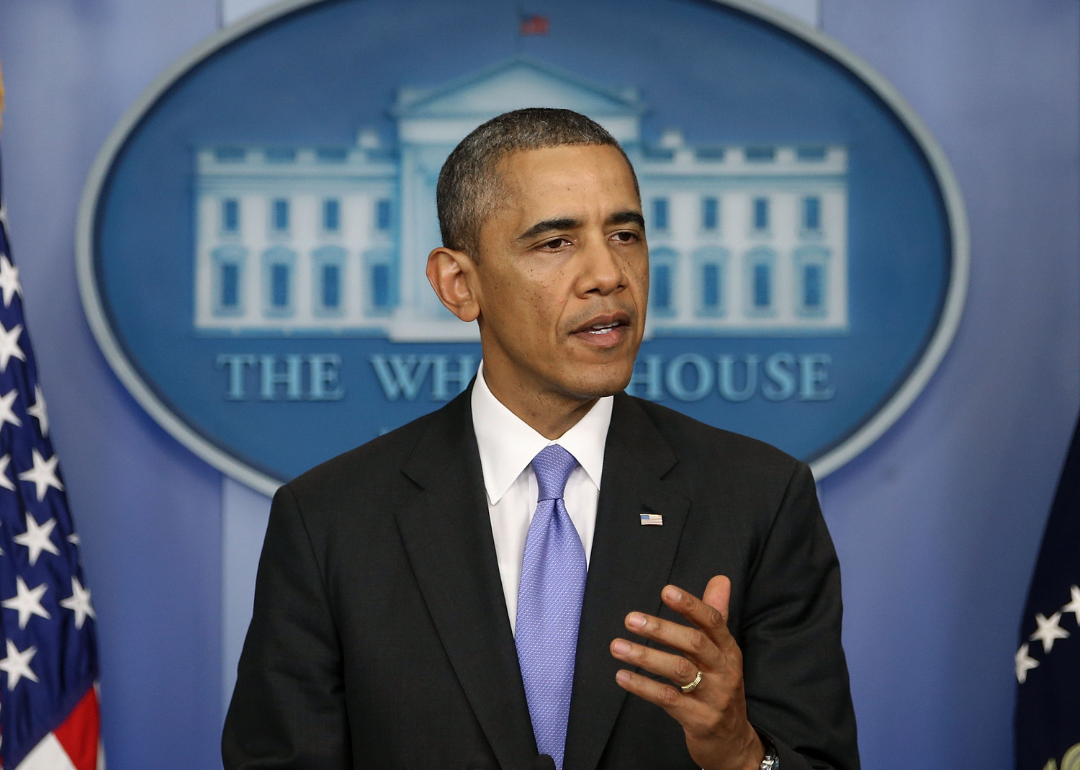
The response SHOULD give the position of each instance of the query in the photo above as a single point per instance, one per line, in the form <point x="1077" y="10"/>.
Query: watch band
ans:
<point x="771" y="760"/>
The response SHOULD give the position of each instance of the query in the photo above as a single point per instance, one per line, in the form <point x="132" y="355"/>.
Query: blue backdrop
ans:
<point x="937" y="524"/>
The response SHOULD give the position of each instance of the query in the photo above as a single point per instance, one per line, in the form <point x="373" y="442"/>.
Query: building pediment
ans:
<point x="511" y="85"/>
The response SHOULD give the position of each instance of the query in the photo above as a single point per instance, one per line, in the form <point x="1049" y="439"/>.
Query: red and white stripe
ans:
<point x="75" y="744"/>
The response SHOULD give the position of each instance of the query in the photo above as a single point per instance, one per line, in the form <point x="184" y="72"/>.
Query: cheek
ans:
<point x="524" y="307"/>
<point x="545" y="310"/>
<point x="639" y="268"/>
<point x="541" y="295"/>
<point x="529" y="306"/>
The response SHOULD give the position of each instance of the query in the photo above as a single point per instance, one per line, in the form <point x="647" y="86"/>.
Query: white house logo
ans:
<point x="268" y="303"/>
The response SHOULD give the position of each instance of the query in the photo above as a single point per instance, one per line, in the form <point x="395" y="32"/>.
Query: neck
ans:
<point x="549" y="413"/>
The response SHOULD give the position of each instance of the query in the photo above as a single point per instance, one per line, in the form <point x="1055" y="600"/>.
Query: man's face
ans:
<point x="562" y="281"/>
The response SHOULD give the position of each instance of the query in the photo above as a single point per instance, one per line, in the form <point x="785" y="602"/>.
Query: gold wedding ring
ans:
<point x="689" y="688"/>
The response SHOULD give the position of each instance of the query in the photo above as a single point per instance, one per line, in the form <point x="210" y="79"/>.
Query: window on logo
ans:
<point x="762" y="286"/>
<point x="761" y="214"/>
<point x="812" y="281"/>
<point x="331" y="215"/>
<point x="331" y="287"/>
<point x="812" y="295"/>
<point x="228" y="290"/>
<point x="230" y="286"/>
<point x="662" y="281"/>
<point x="710" y="262"/>
<point x="381" y="291"/>
<point x="279" y="286"/>
<point x="811" y="214"/>
<point x="710" y="213"/>
<point x="230" y="215"/>
<point x="380" y="286"/>
<point x="710" y="287"/>
<point x="660" y="214"/>
<point x="279" y="215"/>
<point x="278" y="265"/>
<point x="759" y="278"/>
<point x="661" y="288"/>
<point x="382" y="214"/>
<point x="327" y="280"/>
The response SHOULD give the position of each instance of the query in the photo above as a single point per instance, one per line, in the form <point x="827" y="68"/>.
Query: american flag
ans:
<point x="49" y="672"/>
<point x="1047" y="719"/>
<point x="535" y="25"/>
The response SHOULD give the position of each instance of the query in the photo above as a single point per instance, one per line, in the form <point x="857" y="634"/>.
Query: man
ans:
<point x="483" y="587"/>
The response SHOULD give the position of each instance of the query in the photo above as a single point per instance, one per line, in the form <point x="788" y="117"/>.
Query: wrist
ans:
<point x="754" y="752"/>
<point x="770" y="760"/>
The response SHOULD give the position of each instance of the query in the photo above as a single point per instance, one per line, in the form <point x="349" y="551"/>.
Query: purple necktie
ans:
<point x="549" y="604"/>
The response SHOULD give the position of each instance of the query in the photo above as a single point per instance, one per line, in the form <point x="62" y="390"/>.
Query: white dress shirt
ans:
<point x="507" y="446"/>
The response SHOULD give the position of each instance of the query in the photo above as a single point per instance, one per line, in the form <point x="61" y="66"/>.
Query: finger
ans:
<point x="674" y="667"/>
<point x="707" y="618"/>
<point x="718" y="595"/>
<point x="663" y="695"/>
<point x="691" y="642"/>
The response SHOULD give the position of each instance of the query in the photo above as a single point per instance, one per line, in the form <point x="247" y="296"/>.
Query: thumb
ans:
<point x="718" y="595"/>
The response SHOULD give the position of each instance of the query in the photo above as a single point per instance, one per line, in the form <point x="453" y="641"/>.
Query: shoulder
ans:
<point x="719" y="453"/>
<point x="682" y="431"/>
<point x="366" y="471"/>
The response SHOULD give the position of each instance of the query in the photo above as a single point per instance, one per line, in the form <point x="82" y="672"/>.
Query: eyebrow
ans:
<point x="570" y="223"/>
<point x="547" y="225"/>
<point x="628" y="217"/>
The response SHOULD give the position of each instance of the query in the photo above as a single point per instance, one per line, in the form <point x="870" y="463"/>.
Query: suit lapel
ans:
<point x="447" y="534"/>
<point x="629" y="566"/>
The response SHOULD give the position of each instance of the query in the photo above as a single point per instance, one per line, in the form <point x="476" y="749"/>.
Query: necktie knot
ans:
<point x="552" y="466"/>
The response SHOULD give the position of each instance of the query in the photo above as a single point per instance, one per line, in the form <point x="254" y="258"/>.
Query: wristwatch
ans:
<point x="771" y="761"/>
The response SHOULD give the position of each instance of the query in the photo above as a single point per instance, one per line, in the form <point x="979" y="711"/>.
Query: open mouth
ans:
<point x="604" y="330"/>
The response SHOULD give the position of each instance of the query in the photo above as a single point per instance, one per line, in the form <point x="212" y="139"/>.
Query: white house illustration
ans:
<point x="329" y="241"/>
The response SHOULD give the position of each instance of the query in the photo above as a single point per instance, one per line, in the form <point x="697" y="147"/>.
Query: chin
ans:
<point x="606" y="382"/>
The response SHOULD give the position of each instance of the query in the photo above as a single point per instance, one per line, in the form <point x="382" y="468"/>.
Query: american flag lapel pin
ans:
<point x="652" y="520"/>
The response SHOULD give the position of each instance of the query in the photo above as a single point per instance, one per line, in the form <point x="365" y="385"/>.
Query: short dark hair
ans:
<point x="468" y="183"/>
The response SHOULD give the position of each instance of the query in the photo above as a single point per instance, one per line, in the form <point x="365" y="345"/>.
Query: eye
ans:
<point x="625" y="236"/>
<point x="554" y="244"/>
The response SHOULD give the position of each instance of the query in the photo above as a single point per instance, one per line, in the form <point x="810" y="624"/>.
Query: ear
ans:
<point x="451" y="274"/>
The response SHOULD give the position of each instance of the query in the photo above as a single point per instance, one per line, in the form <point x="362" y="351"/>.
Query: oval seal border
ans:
<point x="848" y="448"/>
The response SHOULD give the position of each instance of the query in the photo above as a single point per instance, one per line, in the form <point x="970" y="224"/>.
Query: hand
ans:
<point x="713" y="716"/>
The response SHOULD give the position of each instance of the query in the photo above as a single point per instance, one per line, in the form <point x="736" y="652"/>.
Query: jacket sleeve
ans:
<point x="288" y="708"/>
<point x="796" y="678"/>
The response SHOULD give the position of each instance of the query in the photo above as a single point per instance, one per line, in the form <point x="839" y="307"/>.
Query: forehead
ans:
<point x="556" y="177"/>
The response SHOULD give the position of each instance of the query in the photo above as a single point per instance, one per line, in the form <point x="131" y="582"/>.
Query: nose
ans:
<point x="601" y="272"/>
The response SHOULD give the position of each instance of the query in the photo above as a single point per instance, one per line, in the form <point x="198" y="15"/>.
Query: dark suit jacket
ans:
<point x="380" y="636"/>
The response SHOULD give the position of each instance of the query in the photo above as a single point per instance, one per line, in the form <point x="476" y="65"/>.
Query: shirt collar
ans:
<point x="508" y="444"/>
